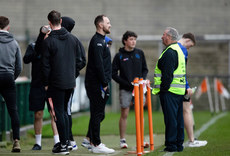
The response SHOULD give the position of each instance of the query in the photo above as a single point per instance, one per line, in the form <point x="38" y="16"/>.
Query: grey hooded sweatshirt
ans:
<point x="10" y="55"/>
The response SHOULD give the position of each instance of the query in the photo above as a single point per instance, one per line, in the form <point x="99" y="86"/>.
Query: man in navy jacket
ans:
<point x="98" y="76"/>
<point x="129" y="62"/>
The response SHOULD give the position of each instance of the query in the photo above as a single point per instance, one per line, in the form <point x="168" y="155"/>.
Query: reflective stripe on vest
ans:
<point x="178" y="84"/>
<point x="176" y="76"/>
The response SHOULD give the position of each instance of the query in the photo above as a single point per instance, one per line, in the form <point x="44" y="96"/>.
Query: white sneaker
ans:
<point x="123" y="143"/>
<point x="197" y="143"/>
<point x="101" y="148"/>
<point x="74" y="145"/>
<point x="85" y="143"/>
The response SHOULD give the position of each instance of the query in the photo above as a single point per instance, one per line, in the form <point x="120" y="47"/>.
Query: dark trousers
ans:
<point x="8" y="92"/>
<point x="97" y="113"/>
<point x="70" y="129"/>
<point x="70" y="117"/>
<point x="172" y="106"/>
<point x="60" y="98"/>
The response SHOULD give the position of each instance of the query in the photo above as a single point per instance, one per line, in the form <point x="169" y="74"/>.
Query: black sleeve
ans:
<point x="39" y="43"/>
<point x="144" y="67"/>
<point x="98" y="58"/>
<point x="45" y="62"/>
<point x="30" y="54"/>
<point x="115" y="69"/>
<point x="167" y="64"/>
<point x="80" y="59"/>
<point x="18" y="62"/>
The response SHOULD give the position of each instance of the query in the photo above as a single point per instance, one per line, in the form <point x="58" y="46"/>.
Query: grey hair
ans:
<point x="173" y="33"/>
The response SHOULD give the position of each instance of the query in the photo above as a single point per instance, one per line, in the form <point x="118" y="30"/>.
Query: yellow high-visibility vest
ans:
<point x="178" y="84"/>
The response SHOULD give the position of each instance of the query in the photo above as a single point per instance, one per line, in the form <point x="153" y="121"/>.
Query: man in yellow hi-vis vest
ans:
<point x="169" y="83"/>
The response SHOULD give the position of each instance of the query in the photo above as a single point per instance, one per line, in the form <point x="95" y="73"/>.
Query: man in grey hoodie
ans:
<point x="10" y="68"/>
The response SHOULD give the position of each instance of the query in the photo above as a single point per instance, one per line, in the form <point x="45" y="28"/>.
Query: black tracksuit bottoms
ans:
<point x="172" y="106"/>
<point x="8" y="92"/>
<point x="60" y="98"/>
<point x="70" y="117"/>
<point x="97" y="113"/>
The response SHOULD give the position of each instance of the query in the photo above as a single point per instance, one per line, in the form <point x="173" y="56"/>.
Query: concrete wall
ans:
<point x="146" y="17"/>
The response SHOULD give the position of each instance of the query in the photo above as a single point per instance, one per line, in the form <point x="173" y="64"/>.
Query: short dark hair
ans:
<point x="190" y="36"/>
<point x="99" y="19"/>
<point x="4" y="21"/>
<point x="54" y="17"/>
<point x="128" y="34"/>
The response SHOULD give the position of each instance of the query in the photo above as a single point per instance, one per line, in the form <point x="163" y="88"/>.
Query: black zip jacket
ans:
<point x="61" y="52"/>
<point x="130" y="64"/>
<point x="168" y="63"/>
<point x="99" y="68"/>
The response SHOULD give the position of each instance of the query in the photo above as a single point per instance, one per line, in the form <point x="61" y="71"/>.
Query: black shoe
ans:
<point x="70" y="147"/>
<point x="169" y="150"/>
<point x="37" y="147"/>
<point x="60" y="149"/>
<point x="180" y="149"/>
<point x="56" y="146"/>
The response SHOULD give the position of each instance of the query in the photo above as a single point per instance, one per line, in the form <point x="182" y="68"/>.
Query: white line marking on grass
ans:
<point x="202" y="129"/>
<point x="212" y="121"/>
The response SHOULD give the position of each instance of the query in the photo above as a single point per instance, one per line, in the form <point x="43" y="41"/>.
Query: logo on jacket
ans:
<point x="125" y="59"/>
<point x="99" y="44"/>
<point x="137" y="56"/>
<point x="182" y="80"/>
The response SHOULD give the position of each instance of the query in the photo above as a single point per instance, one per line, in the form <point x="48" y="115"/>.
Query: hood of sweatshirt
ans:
<point x="61" y="34"/>
<point x="124" y="51"/>
<point x="68" y="23"/>
<point x="6" y="37"/>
